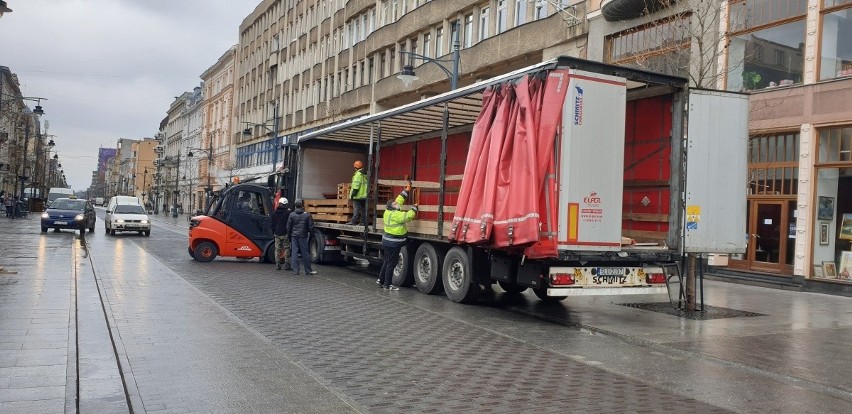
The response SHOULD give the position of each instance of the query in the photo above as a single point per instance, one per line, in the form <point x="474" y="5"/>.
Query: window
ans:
<point x="662" y="46"/>
<point x="836" y="50"/>
<point x="502" y="16"/>
<point x="835" y="145"/>
<point x="520" y="12"/>
<point x="773" y="164"/>
<point x="761" y="52"/>
<point x="427" y="44"/>
<point x="468" y="30"/>
<point x="439" y="42"/>
<point x="483" y="24"/>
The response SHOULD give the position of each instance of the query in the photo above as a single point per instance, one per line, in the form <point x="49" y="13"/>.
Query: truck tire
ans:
<point x="511" y="287"/>
<point x="427" y="269"/>
<point x="542" y="294"/>
<point x="316" y="246"/>
<point x="402" y="273"/>
<point x="205" y="252"/>
<point x="458" y="278"/>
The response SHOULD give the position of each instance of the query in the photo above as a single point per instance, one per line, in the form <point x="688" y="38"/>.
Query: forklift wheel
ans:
<point x="206" y="251"/>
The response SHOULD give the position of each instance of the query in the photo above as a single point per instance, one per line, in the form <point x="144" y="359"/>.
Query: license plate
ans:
<point x="60" y="223"/>
<point x="609" y="279"/>
<point x="332" y="247"/>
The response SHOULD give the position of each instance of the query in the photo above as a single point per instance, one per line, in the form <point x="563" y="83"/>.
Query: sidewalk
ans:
<point x="133" y="334"/>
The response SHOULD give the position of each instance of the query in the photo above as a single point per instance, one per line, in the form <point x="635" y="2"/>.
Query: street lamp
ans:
<point x="209" y="152"/>
<point x="4" y="8"/>
<point x="408" y="76"/>
<point x="273" y="131"/>
<point x="144" y="181"/>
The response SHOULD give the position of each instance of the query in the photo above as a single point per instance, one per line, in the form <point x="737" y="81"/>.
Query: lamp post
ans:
<point x="274" y="132"/>
<point x="407" y="75"/>
<point x="3" y="8"/>
<point x="177" y="188"/>
<point x="144" y="181"/>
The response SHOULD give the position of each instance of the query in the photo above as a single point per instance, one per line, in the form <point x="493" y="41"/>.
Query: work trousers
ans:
<point x="391" y="251"/>
<point x="282" y="250"/>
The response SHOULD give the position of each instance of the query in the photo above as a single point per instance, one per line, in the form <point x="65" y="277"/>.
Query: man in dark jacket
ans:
<point x="300" y="226"/>
<point x="279" y="230"/>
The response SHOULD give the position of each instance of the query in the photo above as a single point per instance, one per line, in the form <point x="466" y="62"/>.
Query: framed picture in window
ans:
<point x="818" y="271"/>
<point x="823" y="234"/>
<point x="830" y="269"/>
<point x="845" y="269"/>
<point x="825" y="208"/>
<point x="846" y="227"/>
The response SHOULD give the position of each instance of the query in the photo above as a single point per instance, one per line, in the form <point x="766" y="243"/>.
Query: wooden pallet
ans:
<point x="429" y="227"/>
<point x="343" y="191"/>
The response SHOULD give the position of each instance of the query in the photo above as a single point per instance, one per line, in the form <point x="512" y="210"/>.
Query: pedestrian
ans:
<point x="279" y="230"/>
<point x="395" y="236"/>
<point x="7" y="202"/>
<point x="300" y="226"/>
<point x="358" y="195"/>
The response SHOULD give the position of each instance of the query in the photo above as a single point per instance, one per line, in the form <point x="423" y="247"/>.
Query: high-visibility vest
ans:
<point x="395" y="220"/>
<point x="359" y="186"/>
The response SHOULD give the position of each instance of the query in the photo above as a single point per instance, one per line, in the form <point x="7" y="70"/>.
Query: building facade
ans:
<point x="304" y="64"/>
<point x="796" y="61"/>
<point x="215" y="165"/>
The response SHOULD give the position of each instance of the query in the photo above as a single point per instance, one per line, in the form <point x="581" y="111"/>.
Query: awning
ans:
<point x="425" y="117"/>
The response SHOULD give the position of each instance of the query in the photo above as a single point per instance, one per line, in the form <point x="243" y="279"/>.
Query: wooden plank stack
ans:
<point x="333" y="211"/>
<point x="385" y="191"/>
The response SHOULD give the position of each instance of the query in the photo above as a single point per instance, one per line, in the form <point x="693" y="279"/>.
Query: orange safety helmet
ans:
<point x="358" y="165"/>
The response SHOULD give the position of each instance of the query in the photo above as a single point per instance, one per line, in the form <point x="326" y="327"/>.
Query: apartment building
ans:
<point x="215" y="165"/>
<point x="304" y="64"/>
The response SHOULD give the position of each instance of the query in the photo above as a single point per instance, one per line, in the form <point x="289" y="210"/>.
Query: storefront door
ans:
<point x="771" y="239"/>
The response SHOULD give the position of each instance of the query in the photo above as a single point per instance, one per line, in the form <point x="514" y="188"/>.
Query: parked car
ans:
<point x="127" y="217"/>
<point x="69" y="213"/>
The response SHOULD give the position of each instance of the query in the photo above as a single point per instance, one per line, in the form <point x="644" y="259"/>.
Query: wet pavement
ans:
<point x="237" y="336"/>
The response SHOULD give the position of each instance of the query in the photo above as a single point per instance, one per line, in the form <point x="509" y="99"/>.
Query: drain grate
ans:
<point x="710" y="312"/>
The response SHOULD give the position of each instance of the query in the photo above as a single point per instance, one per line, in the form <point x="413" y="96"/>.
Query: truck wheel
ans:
<point x="316" y="246"/>
<point x="402" y="273"/>
<point x="205" y="252"/>
<point x="427" y="269"/>
<point x="457" y="276"/>
<point x="511" y="287"/>
<point x="542" y="294"/>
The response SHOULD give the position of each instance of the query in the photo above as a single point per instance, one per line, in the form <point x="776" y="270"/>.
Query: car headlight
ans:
<point x="119" y="221"/>
<point x="144" y="221"/>
<point x="45" y="215"/>
<point x="79" y="217"/>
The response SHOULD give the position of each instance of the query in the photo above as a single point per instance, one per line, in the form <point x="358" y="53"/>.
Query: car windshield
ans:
<point x="129" y="209"/>
<point x="66" y="204"/>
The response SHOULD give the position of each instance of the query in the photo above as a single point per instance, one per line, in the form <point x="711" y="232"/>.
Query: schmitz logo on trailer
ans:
<point x="578" y="106"/>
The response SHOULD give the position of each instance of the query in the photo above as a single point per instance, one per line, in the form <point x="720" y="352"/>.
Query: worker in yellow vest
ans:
<point x="358" y="195"/>
<point x="395" y="236"/>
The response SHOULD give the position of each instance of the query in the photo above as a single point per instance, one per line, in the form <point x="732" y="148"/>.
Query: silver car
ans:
<point x="128" y="217"/>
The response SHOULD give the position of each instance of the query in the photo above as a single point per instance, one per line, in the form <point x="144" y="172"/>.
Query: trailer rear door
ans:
<point x="591" y="163"/>
<point x="716" y="172"/>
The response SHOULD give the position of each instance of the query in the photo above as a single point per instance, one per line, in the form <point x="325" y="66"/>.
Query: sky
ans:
<point x="110" y="68"/>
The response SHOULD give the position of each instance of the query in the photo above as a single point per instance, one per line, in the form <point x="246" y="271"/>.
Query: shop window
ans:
<point x="766" y="44"/>
<point x="835" y="145"/>
<point x="662" y="46"/>
<point x="836" y="50"/>
<point x="773" y="164"/>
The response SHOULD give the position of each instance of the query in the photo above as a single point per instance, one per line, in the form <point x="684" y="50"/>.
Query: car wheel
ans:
<point x="112" y="232"/>
<point x="106" y="229"/>
<point x="206" y="251"/>
<point x="44" y="229"/>
<point x="147" y="233"/>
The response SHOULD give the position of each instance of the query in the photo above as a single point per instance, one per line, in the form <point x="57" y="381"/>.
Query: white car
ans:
<point x="127" y="217"/>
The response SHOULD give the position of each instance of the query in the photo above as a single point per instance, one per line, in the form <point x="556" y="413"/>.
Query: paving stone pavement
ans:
<point x="35" y="309"/>
<point x="388" y="358"/>
<point x="183" y="353"/>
